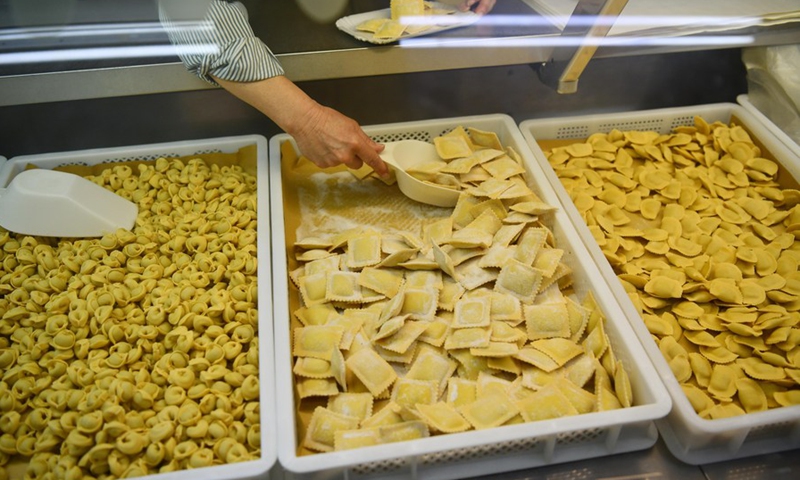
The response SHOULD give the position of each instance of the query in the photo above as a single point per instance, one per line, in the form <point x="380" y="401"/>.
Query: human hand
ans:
<point x="324" y="136"/>
<point x="329" y="138"/>
<point x="478" y="6"/>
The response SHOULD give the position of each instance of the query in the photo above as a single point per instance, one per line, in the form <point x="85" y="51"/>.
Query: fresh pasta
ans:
<point x="136" y="353"/>
<point x="401" y="336"/>
<point x="700" y="229"/>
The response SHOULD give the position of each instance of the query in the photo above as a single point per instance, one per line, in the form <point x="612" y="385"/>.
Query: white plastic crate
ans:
<point x="744" y="100"/>
<point x="255" y="469"/>
<point x="482" y="452"/>
<point x="689" y="437"/>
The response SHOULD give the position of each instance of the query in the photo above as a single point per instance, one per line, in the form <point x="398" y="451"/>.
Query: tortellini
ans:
<point x="137" y="352"/>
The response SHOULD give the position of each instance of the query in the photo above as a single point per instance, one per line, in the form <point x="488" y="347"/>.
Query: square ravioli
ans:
<point x="454" y="322"/>
<point x="520" y="280"/>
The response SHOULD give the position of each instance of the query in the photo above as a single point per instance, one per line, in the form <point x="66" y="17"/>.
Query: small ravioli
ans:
<point x="461" y="391"/>
<point x="472" y="312"/>
<point x="317" y="341"/>
<point x="450" y="147"/>
<point x="408" y="393"/>
<point x="343" y="287"/>
<point x="420" y="304"/>
<point x="313" y="289"/>
<point x="443" y="417"/>
<point x="324" y="424"/>
<point x="545" y="404"/>
<point x="485" y="138"/>
<point x="357" y="405"/>
<point x="561" y="350"/>
<point x="402" y="340"/>
<point x="363" y="251"/>
<point x="312" y="367"/>
<point x="434" y="367"/>
<point x="474" y="337"/>
<point x="520" y="280"/>
<point x="389" y="414"/>
<point x="373" y="371"/>
<point x="496" y="349"/>
<point x="316" y="387"/>
<point x="548" y="320"/>
<point x="382" y="280"/>
<point x="489" y="411"/>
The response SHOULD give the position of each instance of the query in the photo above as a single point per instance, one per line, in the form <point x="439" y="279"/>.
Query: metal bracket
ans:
<point x="590" y="21"/>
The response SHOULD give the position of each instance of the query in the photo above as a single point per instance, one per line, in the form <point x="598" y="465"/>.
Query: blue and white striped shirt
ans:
<point x="218" y="42"/>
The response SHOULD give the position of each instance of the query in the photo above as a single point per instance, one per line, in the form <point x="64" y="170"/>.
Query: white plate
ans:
<point x="456" y="19"/>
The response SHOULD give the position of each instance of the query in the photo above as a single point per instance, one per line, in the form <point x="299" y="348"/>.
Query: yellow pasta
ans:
<point x="711" y="251"/>
<point x="431" y="321"/>
<point x="124" y="328"/>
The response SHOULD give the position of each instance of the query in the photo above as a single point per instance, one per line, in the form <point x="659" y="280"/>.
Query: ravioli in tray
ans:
<point x="701" y="232"/>
<point x="410" y="320"/>
<point x="691" y="215"/>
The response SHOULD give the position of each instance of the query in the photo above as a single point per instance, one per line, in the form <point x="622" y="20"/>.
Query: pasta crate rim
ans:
<point x="689" y="437"/>
<point x="744" y="100"/>
<point x="652" y="400"/>
<point x="262" y="467"/>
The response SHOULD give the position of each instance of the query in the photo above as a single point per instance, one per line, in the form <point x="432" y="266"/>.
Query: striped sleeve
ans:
<point x="222" y="44"/>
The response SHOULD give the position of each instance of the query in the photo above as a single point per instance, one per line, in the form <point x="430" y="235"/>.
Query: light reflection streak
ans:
<point x="567" y="41"/>
<point x="148" y="51"/>
<point x="641" y="21"/>
<point x="104" y="53"/>
<point x="99" y="30"/>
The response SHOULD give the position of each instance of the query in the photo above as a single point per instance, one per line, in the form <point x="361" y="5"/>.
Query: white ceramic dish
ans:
<point x="456" y="19"/>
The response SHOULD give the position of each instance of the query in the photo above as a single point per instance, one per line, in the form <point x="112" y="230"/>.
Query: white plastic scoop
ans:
<point x="49" y="203"/>
<point x="405" y="154"/>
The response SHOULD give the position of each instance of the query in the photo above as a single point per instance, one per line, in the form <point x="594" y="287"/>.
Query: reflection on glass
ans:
<point x="42" y="31"/>
<point x="323" y="11"/>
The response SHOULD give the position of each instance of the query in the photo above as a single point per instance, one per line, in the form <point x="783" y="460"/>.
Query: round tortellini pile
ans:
<point x="136" y="353"/>
<point x="702" y="231"/>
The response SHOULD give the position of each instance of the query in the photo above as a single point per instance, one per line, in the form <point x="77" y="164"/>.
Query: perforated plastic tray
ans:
<point x="263" y="467"/>
<point x="481" y="452"/>
<point x="689" y="437"/>
<point x="744" y="101"/>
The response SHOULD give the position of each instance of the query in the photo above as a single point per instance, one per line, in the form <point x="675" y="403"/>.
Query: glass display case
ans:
<point x="89" y="74"/>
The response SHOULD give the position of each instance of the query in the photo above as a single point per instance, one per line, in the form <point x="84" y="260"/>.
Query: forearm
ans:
<point x="324" y="135"/>
<point x="278" y="98"/>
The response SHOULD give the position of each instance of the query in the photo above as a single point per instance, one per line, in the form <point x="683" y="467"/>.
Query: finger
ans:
<point x="374" y="160"/>
<point x="466" y="5"/>
<point x="354" y="162"/>
<point x="484" y="7"/>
